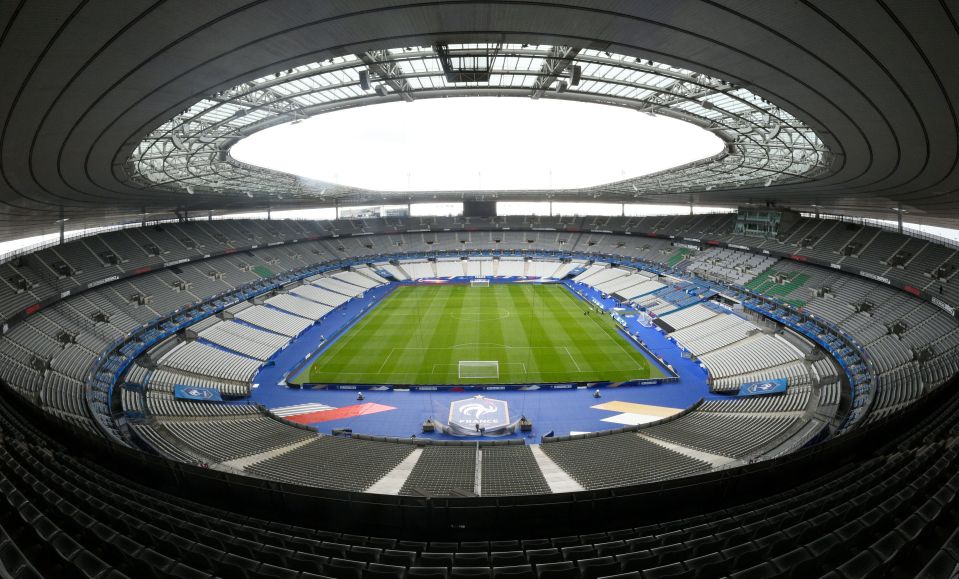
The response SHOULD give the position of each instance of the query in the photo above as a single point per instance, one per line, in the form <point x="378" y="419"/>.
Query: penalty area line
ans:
<point x="575" y="363"/>
<point x="385" y="360"/>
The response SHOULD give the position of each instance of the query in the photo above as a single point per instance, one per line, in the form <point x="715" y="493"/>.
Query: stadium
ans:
<point x="567" y="289"/>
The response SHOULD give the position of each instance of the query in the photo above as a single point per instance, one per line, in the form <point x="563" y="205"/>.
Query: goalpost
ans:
<point x="478" y="369"/>
<point x="479" y="283"/>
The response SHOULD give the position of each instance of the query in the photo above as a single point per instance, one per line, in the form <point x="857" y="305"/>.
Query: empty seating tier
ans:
<point x="620" y="459"/>
<point x="334" y="463"/>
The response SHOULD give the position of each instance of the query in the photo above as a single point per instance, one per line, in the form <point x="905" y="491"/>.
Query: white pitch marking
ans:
<point x="625" y="351"/>
<point x="385" y="360"/>
<point x="575" y="363"/>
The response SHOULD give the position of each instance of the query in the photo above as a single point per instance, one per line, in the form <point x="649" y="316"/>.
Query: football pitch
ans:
<point x="506" y="333"/>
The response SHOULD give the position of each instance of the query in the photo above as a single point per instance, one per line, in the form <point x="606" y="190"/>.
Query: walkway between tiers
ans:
<point x="557" y="478"/>
<point x="393" y="481"/>
<point x="715" y="460"/>
<point x="241" y="463"/>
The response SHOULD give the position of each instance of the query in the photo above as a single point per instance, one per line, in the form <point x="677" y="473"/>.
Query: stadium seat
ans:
<point x="344" y="568"/>
<point x="508" y="558"/>
<point x="470" y="573"/>
<point x="427" y="573"/>
<point x="331" y="549"/>
<point x="709" y="565"/>
<point x="201" y="556"/>
<point x="597" y="567"/>
<point x="627" y="575"/>
<point x="571" y="541"/>
<point x="309" y="562"/>
<point x="368" y="554"/>
<point x="415" y="546"/>
<point x="381" y="571"/>
<point x="400" y="558"/>
<point x="797" y="563"/>
<point x="473" y="547"/>
<point x="354" y="540"/>
<point x="636" y="560"/>
<point x="667" y="571"/>
<point x="267" y="571"/>
<point x="888" y="547"/>
<point x="535" y="544"/>
<point x="514" y="572"/>
<point x="537" y="556"/>
<point x="863" y="565"/>
<point x="610" y="548"/>
<point x="471" y="559"/>
<point x="381" y="542"/>
<point x="430" y="559"/>
<point x="578" y="552"/>
<point x="642" y="542"/>
<point x="761" y="571"/>
<point x="943" y="565"/>
<point x="231" y="565"/>
<point x="561" y="570"/>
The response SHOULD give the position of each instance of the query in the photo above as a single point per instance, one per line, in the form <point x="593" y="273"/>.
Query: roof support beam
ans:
<point x="388" y="71"/>
<point x="560" y="57"/>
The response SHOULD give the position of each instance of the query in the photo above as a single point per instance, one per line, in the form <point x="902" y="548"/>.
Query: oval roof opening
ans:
<point x="478" y="143"/>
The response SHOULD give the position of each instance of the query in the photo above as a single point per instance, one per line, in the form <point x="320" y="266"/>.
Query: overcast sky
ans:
<point x="478" y="143"/>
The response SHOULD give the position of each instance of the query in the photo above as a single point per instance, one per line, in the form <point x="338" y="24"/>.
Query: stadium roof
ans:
<point x="110" y="110"/>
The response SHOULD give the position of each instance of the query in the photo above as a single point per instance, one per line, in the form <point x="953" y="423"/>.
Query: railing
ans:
<point x="75" y="234"/>
<point x="908" y="229"/>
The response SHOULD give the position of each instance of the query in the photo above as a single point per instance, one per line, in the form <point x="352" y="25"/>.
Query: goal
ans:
<point x="479" y="369"/>
<point x="479" y="283"/>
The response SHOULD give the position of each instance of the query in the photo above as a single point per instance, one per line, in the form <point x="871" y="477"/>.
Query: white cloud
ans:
<point x="477" y="143"/>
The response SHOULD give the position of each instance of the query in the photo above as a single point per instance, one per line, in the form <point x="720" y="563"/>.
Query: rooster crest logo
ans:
<point x="485" y="412"/>
<point x="477" y="409"/>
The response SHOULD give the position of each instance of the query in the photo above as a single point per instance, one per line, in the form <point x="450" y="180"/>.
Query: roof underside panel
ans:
<point x="113" y="109"/>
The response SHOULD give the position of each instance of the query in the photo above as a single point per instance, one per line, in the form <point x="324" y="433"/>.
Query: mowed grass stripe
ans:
<point x="419" y="334"/>
<point x="547" y="356"/>
<point x="604" y="351"/>
<point x="517" y="331"/>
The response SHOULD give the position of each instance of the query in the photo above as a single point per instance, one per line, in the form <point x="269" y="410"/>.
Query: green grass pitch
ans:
<point x="536" y="333"/>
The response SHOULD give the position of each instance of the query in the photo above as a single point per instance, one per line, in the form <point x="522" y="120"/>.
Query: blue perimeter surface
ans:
<point x="560" y="411"/>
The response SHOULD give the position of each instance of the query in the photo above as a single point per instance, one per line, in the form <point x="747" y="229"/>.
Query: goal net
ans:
<point x="479" y="369"/>
<point x="479" y="283"/>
